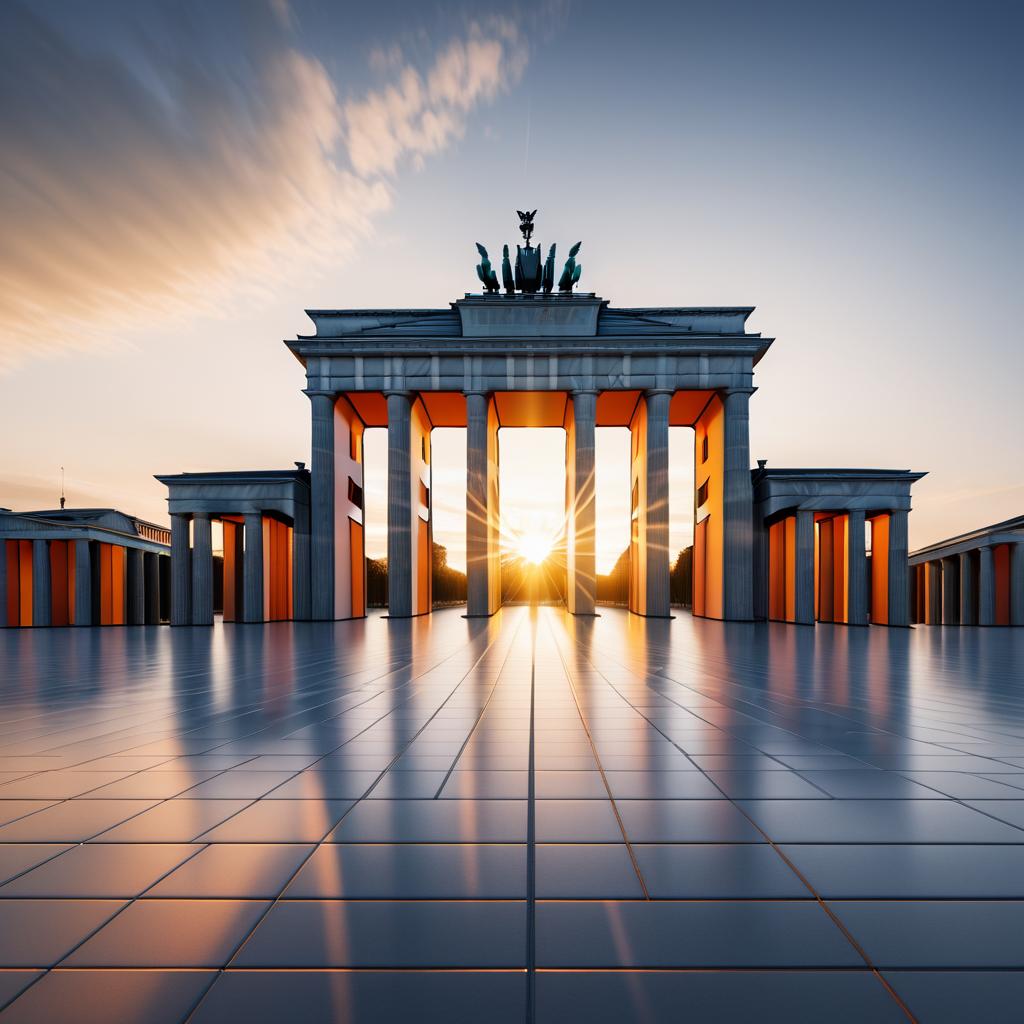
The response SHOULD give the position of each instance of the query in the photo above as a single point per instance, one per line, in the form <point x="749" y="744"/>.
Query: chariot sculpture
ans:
<point x="531" y="273"/>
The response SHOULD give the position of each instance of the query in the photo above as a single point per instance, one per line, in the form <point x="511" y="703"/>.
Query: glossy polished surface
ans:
<point x="528" y="818"/>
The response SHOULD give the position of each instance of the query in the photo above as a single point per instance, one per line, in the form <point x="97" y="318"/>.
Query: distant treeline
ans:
<point x="536" y="584"/>
<point x="614" y="588"/>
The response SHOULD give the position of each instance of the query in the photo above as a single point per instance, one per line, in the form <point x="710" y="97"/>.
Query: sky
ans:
<point x="179" y="181"/>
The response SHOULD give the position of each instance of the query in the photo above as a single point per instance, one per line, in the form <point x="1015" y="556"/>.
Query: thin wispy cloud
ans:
<point x="151" y="184"/>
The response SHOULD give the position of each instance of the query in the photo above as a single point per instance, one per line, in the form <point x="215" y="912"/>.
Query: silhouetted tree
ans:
<point x="681" y="579"/>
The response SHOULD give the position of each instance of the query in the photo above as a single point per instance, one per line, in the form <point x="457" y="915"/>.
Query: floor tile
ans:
<point x="962" y="786"/>
<point x="434" y="821"/>
<point x="38" y="933"/>
<point x="170" y="933"/>
<point x="876" y="821"/>
<point x="586" y="871"/>
<point x="318" y="785"/>
<point x="280" y="821"/>
<point x="710" y="871"/>
<point x="72" y="822"/>
<point x="388" y="934"/>
<point x="687" y="934"/>
<point x="106" y="997"/>
<point x="239" y="784"/>
<point x="912" y="872"/>
<point x="18" y="857"/>
<point x="937" y="934"/>
<point x="58" y="785"/>
<point x="465" y="784"/>
<point x="1010" y="811"/>
<point x="427" y="997"/>
<point x="952" y="997"/>
<point x="774" y="785"/>
<point x="14" y="982"/>
<point x="870" y="784"/>
<point x="408" y="786"/>
<point x="177" y="821"/>
<point x="662" y="786"/>
<point x="570" y="785"/>
<point x="152" y="785"/>
<point x="100" y="870"/>
<point x="12" y="810"/>
<point x="412" y="871"/>
<point x="576" y="821"/>
<point x="233" y="871"/>
<point x="725" y="997"/>
<point x="685" y="821"/>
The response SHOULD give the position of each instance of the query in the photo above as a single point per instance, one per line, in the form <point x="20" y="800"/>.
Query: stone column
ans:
<point x="951" y="591"/>
<point x="322" y="486"/>
<point x="181" y="572"/>
<point x="968" y="613"/>
<point x="737" y="508"/>
<point x="252" y="573"/>
<point x="899" y="569"/>
<point x="202" y="570"/>
<point x="1017" y="584"/>
<point x="41" y="583"/>
<point x="481" y="519"/>
<point x="136" y="610"/>
<point x="400" y="484"/>
<point x="986" y="587"/>
<point x="301" y="566"/>
<point x="151" y="588"/>
<point x="659" y="595"/>
<point x="804" y="601"/>
<point x="857" y="570"/>
<point x="83" y="584"/>
<point x="581" y="590"/>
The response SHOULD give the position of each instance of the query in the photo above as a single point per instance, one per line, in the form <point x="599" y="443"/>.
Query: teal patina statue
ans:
<point x="531" y="273"/>
<point x="484" y="272"/>
<point x="506" y="273"/>
<point x="549" y="271"/>
<point x="571" y="271"/>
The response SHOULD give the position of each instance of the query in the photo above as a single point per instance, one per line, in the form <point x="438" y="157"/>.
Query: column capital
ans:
<point x="737" y="391"/>
<point x="201" y="517"/>
<point x="397" y="393"/>
<point x="480" y="392"/>
<point x="319" y="393"/>
<point x="584" y="391"/>
<point x="652" y="392"/>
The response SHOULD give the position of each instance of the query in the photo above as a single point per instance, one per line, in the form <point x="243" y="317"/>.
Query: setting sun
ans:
<point x="534" y="547"/>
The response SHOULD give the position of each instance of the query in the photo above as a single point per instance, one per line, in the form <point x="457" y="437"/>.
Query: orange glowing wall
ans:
<point x="1001" y="565"/>
<point x="112" y="584"/>
<point x="349" y="502"/>
<point x="700" y="547"/>
<point x="277" y="570"/>
<point x="880" y="570"/>
<point x="638" y="511"/>
<point x="777" y="571"/>
<point x="19" y="582"/>
<point x="832" y="568"/>
<point x="708" y="481"/>
<point x="358" y="582"/>
<point x="233" y="569"/>
<point x="421" y="527"/>
<point x="62" y="582"/>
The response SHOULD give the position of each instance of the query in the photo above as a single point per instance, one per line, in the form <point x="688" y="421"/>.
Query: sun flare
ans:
<point x="533" y="547"/>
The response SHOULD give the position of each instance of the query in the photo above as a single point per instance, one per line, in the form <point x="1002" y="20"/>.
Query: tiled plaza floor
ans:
<point x="533" y="818"/>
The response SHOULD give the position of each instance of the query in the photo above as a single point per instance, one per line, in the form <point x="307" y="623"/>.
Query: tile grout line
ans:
<point x="600" y="767"/>
<point x="818" y="898"/>
<point x="219" y="972"/>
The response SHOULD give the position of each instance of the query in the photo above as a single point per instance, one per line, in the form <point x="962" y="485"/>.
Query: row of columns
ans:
<point x="889" y="579"/>
<point x="192" y="569"/>
<point x="963" y="589"/>
<point x="650" y="594"/>
<point x="141" y="584"/>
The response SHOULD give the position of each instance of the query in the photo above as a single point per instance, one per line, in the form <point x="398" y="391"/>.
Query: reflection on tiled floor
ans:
<point x="534" y="818"/>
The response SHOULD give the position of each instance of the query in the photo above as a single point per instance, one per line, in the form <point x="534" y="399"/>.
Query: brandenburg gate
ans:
<point x="533" y="352"/>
